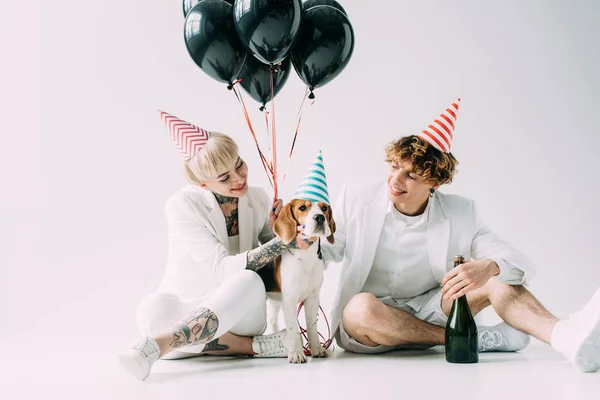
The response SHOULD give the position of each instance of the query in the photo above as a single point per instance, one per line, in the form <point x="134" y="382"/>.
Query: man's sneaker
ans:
<point x="578" y="337"/>
<point x="270" y="345"/>
<point x="501" y="337"/>
<point x="139" y="357"/>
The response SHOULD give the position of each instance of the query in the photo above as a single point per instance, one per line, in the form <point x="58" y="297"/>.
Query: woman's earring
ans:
<point x="432" y="191"/>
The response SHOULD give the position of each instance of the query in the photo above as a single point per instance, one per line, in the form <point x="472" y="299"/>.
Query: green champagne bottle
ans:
<point x="461" y="331"/>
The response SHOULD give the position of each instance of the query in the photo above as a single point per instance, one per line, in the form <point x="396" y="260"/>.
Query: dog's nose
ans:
<point x="320" y="218"/>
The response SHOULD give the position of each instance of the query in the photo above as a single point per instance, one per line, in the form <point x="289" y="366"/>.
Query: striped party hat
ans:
<point x="188" y="138"/>
<point x="314" y="184"/>
<point x="441" y="131"/>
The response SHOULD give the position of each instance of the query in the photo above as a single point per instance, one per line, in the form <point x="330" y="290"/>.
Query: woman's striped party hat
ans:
<point x="314" y="184"/>
<point x="188" y="138"/>
<point x="441" y="131"/>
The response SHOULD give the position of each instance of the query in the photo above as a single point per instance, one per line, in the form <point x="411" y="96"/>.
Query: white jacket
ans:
<point x="453" y="228"/>
<point x="199" y="259"/>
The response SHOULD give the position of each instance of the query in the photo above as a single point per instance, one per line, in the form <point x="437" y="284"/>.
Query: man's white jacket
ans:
<point x="453" y="228"/>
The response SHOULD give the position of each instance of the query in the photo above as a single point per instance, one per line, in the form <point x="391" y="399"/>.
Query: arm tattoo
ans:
<point x="265" y="254"/>
<point x="261" y="256"/>
<point x="214" y="346"/>
<point x="199" y="327"/>
<point x="232" y="223"/>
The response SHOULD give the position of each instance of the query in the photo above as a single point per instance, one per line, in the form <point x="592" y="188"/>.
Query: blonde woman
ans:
<point x="211" y="300"/>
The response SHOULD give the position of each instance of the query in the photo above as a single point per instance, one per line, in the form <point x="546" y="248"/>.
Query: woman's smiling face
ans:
<point x="232" y="182"/>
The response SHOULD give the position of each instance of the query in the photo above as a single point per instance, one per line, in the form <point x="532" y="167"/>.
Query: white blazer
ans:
<point x="199" y="259"/>
<point x="453" y="228"/>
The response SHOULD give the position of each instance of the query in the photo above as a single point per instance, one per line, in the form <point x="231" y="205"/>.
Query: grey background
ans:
<point x="86" y="165"/>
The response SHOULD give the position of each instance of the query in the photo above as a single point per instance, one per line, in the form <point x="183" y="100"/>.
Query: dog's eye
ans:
<point x="302" y="208"/>
<point x="324" y="208"/>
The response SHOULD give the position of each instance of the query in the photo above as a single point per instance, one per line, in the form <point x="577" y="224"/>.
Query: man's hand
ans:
<point x="275" y="210"/>
<point x="467" y="277"/>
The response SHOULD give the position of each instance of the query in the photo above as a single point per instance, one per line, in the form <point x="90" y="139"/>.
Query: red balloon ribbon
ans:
<point x="273" y="140"/>
<point x="325" y="343"/>
<point x="268" y="169"/>
<point x="299" y="119"/>
<point x="271" y="170"/>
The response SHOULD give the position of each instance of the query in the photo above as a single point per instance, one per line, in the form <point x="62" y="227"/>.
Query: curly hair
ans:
<point x="436" y="167"/>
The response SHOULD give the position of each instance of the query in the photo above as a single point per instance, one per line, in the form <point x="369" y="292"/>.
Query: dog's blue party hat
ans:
<point x="314" y="184"/>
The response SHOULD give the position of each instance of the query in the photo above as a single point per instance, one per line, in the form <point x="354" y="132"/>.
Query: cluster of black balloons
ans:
<point x="250" y="39"/>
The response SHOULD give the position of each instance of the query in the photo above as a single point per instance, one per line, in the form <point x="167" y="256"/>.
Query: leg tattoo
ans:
<point x="214" y="346"/>
<point x="200" y="327"/>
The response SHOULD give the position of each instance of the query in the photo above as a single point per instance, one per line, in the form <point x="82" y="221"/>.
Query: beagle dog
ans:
<point x="297" y="275"/>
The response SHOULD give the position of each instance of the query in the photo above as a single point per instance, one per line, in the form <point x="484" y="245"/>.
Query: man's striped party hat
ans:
<point x="441" y="131"/>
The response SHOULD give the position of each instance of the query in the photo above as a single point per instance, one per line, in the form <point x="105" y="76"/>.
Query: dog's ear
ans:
<point x="331" y="223"/>
<point x="286" y="226"/>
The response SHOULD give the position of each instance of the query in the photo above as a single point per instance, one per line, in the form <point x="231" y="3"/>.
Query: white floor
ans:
<point x="90" y="371"/>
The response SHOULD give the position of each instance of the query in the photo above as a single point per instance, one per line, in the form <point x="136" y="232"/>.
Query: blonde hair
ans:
<point x="218" y="155"/>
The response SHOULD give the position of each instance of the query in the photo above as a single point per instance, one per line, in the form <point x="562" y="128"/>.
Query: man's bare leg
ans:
<point x="577" y="338"/>
<point x="516" y="306"/>
<point x="373" y="323"/>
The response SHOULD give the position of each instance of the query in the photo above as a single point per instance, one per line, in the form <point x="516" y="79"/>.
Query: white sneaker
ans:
<point x="578" y="337"/>
<point x="139" y="357"/>
<point x="501" y="337"/>
<point x="270" y="345"/>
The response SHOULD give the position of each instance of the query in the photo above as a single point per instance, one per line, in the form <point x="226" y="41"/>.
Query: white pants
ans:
<point x="239" y="305"/>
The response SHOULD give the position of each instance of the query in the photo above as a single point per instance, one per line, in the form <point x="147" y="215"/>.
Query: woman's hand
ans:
<point x="275" y="210"/>
<point x="301" y="242"/>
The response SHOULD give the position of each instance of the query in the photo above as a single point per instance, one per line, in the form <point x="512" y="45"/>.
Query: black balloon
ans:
<point x="212" y="42"/>
<point x="268" y="28"/>
<point x="311" y="3"/>
<point x="324" y="46"/>
<point x="189" y="4"/>
<point x="257" y="78"/>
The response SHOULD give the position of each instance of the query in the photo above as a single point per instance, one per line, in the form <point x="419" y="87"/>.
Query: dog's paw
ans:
<point x="296" y="357"/>
<point x="319" y="352"/>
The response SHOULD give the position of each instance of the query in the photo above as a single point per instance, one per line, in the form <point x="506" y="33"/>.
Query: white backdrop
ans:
<point x="86" y="165"/>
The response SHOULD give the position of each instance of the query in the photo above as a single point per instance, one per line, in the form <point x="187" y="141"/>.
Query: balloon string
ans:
<point x="273" y="140"/>
<point x="299" y="119"/>
<point x="326" y="343"/>
<point x="231" y="85"/>
<point x="264" y="108"/>
<point x="268" y="170"/>
<point x="266" y="112"/>
<point x="245" y="111"/>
